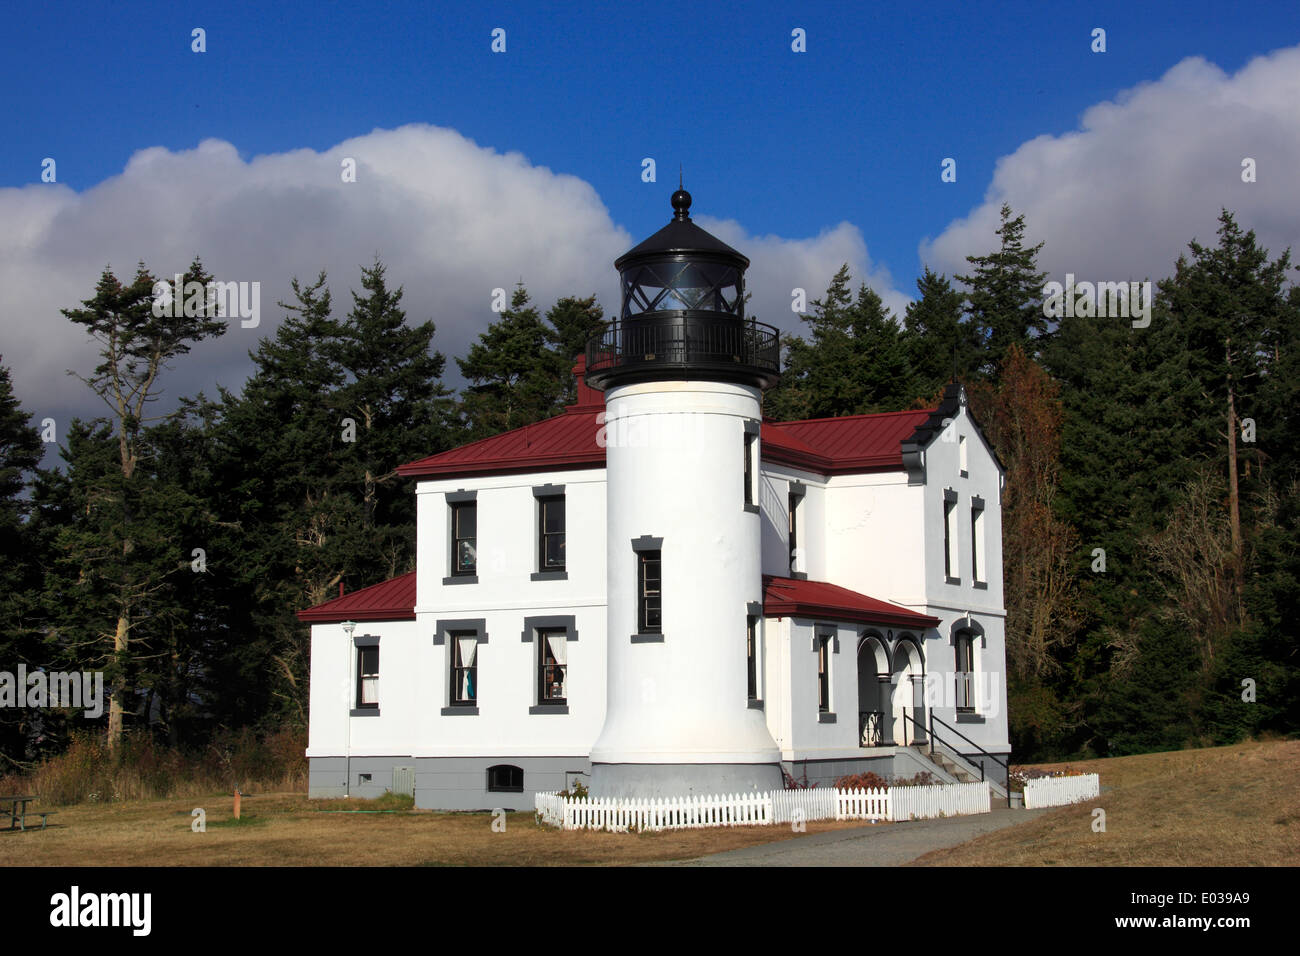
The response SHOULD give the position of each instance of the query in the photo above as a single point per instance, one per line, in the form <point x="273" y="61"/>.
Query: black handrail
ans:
<point x="1001" y="763"/>
<point x="685" y="339"/>
<point x="910" y="720"/>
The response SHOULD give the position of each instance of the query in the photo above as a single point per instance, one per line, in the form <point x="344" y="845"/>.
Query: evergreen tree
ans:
<point x="1233" y="312"/>
<point x="943" y="346"/>
<point x="20" y="455"/>
<point x="1151" y="419"/>
<point x="1126" y="450"/>
<point x="1005" y="294"/>
<point x="572" y="322"/>
<point x="286" y="504"/>
<point x="858" y="359"/>
<point x="510" y="371"/>
<point x="399" y="408"/>
<point x="137" y="344"/>
<point x="183" y="681"/>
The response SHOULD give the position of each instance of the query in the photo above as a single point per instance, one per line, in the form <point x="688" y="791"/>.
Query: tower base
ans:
<point x="654" y="780"/>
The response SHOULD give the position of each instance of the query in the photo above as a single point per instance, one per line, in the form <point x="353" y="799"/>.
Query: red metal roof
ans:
<point x="850" y="443"/>
<point x="828" y="446"/>
<point x="391" y="600"/>
<point x="394" y="600"/>
<point x="565" y="441"/>
<point x="788" y="597"/>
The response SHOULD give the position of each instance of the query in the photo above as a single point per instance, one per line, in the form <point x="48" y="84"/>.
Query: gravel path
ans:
<point x="886" y="844"/>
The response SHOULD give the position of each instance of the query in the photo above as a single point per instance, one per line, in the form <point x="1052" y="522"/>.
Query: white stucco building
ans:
<point x="659" y="592"/>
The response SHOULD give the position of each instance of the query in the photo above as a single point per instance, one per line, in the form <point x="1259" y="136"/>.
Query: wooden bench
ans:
<point x="43" y="814"/>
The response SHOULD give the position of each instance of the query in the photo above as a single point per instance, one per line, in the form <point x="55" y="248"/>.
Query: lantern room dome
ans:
<point x="681" y="237"/>
<point x="682" y="313"/>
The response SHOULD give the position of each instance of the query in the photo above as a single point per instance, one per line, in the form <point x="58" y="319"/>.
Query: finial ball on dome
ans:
<point x="681" y="203"/>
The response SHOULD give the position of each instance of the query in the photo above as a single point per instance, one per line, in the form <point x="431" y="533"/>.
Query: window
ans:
<point x="464" y="538"/>
<point x="965" y="647"/>
<point x="368" y="677"/>
<point x="504" y="778"/>
<point x="751" y="466"/>
<point x="552" y="665"/>
<point x="794" y="531"/>
<point x="950" y="537"/>
<point x="824" y="673"/>
<point x="648" y="596"/>
<point x="961" y="455"/>
<point x="977" y="540"/>
<point x="751" y="653"/>
<point x="550" y="533"/>
<point x="464" y="668"/>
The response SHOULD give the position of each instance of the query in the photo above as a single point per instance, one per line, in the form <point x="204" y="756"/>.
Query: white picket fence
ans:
<point x="813" y="804"/>
<point x="1059" y="791"/>
<point x="619" y="815"/>
<point x="778" y="806"/>
<point x="940" y="800"/>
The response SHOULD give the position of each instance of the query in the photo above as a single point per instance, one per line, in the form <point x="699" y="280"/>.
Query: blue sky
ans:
<point x="853" y="129"/>
<point x="802" y="160"/>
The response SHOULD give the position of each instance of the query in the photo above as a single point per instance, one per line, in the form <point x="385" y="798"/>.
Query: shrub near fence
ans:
<point x="779" y="806"/>
<point x="1059" y="791"/>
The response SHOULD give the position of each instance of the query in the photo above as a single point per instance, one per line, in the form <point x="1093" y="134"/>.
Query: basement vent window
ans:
<point x="503" y="778"/>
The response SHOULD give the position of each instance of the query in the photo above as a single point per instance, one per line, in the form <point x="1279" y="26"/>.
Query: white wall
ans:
<point x="952" y="602"/>
<point x="876" y="537"/>
<point x="881" y="536"/>
<point x="808" y="737"/>
<point x="332" y="732"/>
<point x="415" y="673"/>
<point x="774" y="497"/>
<point x="507" y="543"/>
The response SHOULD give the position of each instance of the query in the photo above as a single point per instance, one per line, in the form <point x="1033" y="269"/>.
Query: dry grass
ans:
<point x="1225" y="806"/>
<point x="1219" y="806"/>
<point x="86" y="772"/>
<point x="290" y="830"/>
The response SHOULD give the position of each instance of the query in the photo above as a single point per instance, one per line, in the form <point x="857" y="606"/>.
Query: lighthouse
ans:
<point x="683" y="371"/>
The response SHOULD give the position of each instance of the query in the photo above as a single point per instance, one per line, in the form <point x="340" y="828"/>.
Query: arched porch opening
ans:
<point x="873" y="692"/>
<point x="908" y="706"/>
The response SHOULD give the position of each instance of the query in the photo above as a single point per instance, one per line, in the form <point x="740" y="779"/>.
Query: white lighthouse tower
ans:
<point x="683" y="371"/>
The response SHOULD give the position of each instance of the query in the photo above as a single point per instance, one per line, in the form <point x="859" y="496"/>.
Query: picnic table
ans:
<point x="17" y="811"/>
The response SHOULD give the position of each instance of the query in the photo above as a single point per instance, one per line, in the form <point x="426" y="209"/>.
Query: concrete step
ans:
<point x="962" y="772"/>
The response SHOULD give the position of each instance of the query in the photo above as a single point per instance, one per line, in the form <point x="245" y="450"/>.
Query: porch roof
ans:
<point x="394" y="600"/>
<point x="391" y="600"/>
<point x="793" y="597"/>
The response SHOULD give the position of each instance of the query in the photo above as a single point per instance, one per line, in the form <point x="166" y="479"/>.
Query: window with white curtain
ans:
<point x="464" y="669"/>
<point x="552" y="665"/>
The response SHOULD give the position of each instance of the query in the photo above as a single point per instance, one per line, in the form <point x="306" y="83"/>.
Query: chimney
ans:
<point x="587" y="396"/>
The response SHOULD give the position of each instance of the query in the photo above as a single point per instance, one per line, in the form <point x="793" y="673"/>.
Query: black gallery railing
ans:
<point x="688" y="340"/>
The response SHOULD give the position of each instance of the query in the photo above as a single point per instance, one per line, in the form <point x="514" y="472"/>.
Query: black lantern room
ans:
<point x="683" y="313"/>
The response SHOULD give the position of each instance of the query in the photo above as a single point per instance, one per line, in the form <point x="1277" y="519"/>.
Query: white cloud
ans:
<point x="1121" y="197"/>
<point x="451" y="220"/>
<point x="777" y="266"/>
